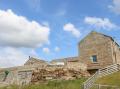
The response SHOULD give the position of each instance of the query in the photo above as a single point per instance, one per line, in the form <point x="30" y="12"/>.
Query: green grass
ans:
<point x="112" y="79"/>
<point x="63" y="84"/>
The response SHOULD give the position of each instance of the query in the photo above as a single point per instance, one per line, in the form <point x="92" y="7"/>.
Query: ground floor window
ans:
<point x="94" y="58"/>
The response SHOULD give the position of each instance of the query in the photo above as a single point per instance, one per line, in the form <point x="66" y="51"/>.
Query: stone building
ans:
<point x="65" y="60"/>
<point x="21" y="74"/>
<point x="98" y="50"/>
<point x="35" y="62"/>
<point x="95" y="51"/>
<point x="71" y="62"/>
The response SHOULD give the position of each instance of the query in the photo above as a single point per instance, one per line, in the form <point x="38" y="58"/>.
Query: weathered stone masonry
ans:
<point x="95" y="51"/>
<point x="105" y="49"/>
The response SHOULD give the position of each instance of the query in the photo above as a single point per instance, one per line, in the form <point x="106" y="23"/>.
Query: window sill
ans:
<point x="95" y="62"/>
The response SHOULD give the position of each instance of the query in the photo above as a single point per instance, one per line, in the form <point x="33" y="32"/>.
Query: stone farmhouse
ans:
<point x="95" y="51"/>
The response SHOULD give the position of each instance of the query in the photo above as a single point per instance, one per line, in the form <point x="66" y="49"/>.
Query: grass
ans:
<point x="112" y="79"/>
<point x="63" y="84"/>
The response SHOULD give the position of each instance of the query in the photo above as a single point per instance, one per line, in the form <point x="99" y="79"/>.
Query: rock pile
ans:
<point x="41" y="75"/>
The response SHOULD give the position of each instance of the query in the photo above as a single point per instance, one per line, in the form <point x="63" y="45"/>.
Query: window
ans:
<point x="94" y="58"/>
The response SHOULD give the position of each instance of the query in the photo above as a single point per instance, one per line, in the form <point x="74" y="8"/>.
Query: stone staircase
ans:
<point x="88" y="84"/>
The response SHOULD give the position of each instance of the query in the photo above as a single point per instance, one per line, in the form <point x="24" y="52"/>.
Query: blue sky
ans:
<point x="65" y="23"/>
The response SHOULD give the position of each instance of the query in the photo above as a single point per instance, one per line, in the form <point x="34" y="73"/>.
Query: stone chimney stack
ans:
<point x="29" y="57"/>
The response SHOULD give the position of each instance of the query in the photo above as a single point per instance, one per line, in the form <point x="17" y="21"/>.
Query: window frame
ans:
<point x="94" y="59"/>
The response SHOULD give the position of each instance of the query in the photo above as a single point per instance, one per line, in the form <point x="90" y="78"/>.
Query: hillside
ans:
<point x="112" y="79"/>
<point x="63" y="84"/>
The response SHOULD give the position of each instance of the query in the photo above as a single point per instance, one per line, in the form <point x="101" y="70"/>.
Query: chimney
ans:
<point x="29" y="57"/>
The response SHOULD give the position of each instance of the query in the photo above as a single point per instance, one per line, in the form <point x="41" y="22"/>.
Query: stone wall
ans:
<point x="99" y="45"/>
<point x="22" y="75"/>
<point x="76" y="65"/>
<point x="65" y="60"/>
<point x="106" y="50"/>
<point x="16" y="74"/>
<point x="57" y="73"/>
<point x="71" y="62"/>
<point x="115" y="52"/>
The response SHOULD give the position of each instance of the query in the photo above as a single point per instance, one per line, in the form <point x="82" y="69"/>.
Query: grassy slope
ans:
<point x="68" y="84"/>
<point x="113" y="79"/>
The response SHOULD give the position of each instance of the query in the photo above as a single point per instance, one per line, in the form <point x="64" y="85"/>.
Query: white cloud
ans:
<point x="71" y="28"/>
<point x="19" y="37"/>
<point x="46" y="50"/>
<point x="12" y="57"/>
<point x="57" y="49"/>
<point x="115" y="7"/>
<point x="18" y="31"/>
<point x="104" y="23"/>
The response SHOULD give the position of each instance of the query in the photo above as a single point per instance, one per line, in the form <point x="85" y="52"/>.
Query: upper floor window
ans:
<point x="94" y="58"/>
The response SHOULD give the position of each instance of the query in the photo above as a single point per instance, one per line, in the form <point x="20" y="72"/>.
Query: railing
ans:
<point x="87" y="84"/>
<point x="100" y="73"/>
<point x="109" y="70"/>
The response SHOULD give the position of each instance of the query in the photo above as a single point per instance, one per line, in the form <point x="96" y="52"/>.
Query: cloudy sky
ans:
<point x="50" y="29"/>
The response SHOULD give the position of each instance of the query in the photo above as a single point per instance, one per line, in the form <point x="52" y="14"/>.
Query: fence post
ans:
<point x="99" y="86"/>
<point x="83" y="86"/>
<point x="107" y="70"/>
<point x="99" y="73"/>
<point x="118" y="66"/>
